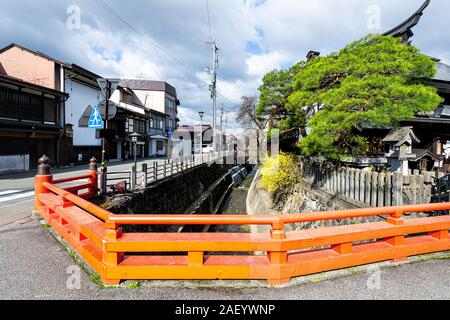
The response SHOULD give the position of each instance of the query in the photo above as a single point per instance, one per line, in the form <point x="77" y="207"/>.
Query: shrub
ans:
<point x="280" y="172"/>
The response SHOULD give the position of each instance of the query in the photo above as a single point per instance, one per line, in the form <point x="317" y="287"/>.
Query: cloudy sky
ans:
<point x="165" y="40"/>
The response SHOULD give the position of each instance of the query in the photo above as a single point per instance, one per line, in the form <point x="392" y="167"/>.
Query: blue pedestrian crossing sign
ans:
<point x="95" y="121"/>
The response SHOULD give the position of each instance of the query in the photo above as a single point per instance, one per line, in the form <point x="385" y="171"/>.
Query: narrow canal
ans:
<point x="234" y="204"/>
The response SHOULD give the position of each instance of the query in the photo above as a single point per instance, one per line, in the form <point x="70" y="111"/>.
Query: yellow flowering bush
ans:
<point x="280" y="172"/>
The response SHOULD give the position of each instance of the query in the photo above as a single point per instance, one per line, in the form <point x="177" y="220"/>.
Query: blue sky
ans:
<point x="168" y="40"/>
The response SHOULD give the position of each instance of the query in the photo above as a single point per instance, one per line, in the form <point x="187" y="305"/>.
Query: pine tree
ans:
<point x="376" y="81"/>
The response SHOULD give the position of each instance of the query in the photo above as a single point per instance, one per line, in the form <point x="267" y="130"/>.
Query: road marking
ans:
<point x="17" y="196"/>
<point x="16" y="203"/>
<point x="3" y="193"/>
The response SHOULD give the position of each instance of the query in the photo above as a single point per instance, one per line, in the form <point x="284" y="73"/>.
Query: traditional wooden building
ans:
<point x="31" y="124"/>
<point x="432" y="129"/>
<point x="149" y="108"/>
<point x="32" y="109"/>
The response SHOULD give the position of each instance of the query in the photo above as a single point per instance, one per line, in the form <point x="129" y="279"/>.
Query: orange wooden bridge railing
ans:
<point x="96" y="235"/>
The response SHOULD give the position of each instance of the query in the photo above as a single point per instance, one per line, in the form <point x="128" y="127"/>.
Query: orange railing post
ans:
<point x="93" y="179"/>
<point x="278" y="258"/>
<point x="111" y="259"/>
<point x="396" y="218"/>
<point x="397" y="241"/>
<point x="43" y="175"/>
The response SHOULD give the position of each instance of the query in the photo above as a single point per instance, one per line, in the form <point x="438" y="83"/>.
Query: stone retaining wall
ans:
<point x="172" y="195"/>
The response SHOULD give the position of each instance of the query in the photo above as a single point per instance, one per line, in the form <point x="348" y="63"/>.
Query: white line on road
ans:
<point x="3" y="193"/>
<point x="16" y="203"/>
<point x="18" y="196"/>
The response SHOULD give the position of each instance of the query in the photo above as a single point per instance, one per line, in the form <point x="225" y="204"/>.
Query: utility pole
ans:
<point x="221" y="127"/>
<point x="104" y="168"/>
<point x="222" y="111"/>
<point x="201" y="114"/>
<point x="213" y="85"/>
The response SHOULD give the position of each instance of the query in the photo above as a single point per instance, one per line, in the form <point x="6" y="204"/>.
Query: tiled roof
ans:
<point x="443" y="72"/>
<point x="148" y="85"/>
<point x="20" y="82"/>
<point x="400" y="134"/>
<point x="405" y="28"/>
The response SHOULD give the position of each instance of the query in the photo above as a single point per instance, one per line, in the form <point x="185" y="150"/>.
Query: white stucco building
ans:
<point x="84" y="94"/>
<point x="151" y="110"/>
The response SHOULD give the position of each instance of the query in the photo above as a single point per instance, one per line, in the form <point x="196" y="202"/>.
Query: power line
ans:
<point x="154" y="44"/>
<point x="149" y="40"/>
<point x="191" y="88"/>
<point x="231" y="102"/>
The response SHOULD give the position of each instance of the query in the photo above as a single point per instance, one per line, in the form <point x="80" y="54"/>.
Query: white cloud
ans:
<point x="259" y="65"/>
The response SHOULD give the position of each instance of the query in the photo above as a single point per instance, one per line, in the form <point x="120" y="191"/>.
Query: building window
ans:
<point x="130" y="125"/>
<point x="139" y="126"/>
<point x="159" y="146"/>
<point x="22" y="106"/>
<point x="50" y="111"/>
<point x="151" y="123"/>
<point x="170" y="104"/>
<point x="127" y="98"/>
<point x="171" y="123"/>
<point x="161" y="125"/>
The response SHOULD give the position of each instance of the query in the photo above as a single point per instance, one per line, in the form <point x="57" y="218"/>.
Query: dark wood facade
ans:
<point x="31" y="122"/>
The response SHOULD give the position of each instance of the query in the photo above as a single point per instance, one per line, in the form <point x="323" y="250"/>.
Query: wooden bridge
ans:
<point x="97" y="235"/>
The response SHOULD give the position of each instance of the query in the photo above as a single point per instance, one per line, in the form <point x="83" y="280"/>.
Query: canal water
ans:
<point x="235" y="204"/>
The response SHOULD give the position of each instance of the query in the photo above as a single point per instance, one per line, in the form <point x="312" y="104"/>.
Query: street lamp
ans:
<point x="134" y="138"/>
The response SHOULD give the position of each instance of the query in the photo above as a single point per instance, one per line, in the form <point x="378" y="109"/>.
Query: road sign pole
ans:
<point x="105" y="126"/>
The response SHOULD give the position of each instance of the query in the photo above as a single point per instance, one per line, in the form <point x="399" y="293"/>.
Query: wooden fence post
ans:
<point x="397" y="189"/>
<point x="381" y="188"/>
<point x="357" y="186"/>
<point x="352" y="183"/>
<point x="362" y="185"/>
<point x="367" y="187"/>
<point x="133" y="177"/>
<point x="373" y="200"/>
<point x="155" y="171"/>
<point x="332" y="179"/>
<point x="388" y="190"/>
<point x="347" y="182"/>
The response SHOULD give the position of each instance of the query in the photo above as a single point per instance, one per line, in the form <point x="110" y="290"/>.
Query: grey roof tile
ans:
<point x="149" y="85"/>
<point x="443" y="72"/>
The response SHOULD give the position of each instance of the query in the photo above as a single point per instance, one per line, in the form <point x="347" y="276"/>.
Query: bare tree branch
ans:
<point x="247" y="114"/>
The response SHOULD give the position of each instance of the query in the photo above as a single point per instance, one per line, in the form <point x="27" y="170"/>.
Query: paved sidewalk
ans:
<point x="33" y="265"/>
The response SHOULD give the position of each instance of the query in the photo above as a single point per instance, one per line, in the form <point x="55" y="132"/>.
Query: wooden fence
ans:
<point x="370" y="188"/>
